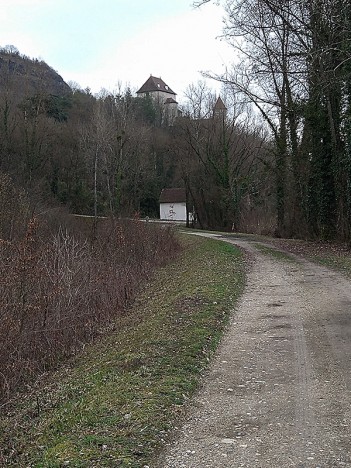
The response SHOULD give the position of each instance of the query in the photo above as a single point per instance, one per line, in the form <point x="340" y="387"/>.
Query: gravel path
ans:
<point x="278" y="391"/>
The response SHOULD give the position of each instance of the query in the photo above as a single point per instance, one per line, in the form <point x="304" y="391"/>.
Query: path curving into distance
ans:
<point x="278" y="393"/>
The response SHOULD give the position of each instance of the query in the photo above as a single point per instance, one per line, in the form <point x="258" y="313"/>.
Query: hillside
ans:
<point x="29" y="76"/>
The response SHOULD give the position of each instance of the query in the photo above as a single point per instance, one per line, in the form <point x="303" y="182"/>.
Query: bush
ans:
<point x="59" y="290"/>
<point x="14" y="209"/>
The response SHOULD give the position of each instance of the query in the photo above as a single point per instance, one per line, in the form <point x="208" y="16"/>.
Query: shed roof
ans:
<point x="155" y="84"/>
<point x="173" y="195"/>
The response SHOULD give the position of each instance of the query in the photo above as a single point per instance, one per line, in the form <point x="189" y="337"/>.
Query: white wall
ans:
<point x="173" y="211"/>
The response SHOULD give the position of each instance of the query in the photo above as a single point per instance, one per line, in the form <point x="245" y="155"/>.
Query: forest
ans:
<point x="277" y="162"/>
<point x="113" y="153"/>
<point x="293" y="68"/>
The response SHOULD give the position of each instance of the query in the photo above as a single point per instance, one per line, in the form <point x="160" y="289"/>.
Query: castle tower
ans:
<point x="219" y="109"/>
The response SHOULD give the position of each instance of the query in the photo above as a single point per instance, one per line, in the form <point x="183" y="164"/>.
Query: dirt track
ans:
<point x="278" y="393"/>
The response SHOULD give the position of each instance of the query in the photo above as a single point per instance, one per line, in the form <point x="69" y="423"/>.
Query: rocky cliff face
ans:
<point x="29" y="76"/>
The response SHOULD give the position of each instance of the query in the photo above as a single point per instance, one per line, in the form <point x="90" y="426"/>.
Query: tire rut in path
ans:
<point x="278" y="391"/>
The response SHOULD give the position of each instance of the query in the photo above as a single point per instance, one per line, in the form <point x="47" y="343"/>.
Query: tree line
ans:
<point x="276" y="161"/>
<point x="294" y="69"/>
<point x="113" y="153"/>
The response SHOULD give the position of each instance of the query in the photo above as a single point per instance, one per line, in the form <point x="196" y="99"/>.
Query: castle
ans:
<point x="163" y="96"/>
<point x="165" y="100"/>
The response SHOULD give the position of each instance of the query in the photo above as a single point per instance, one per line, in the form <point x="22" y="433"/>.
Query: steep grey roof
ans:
<point x="173" y="195"/>
<point x="155" y="84"/>
<point x="219" y="104"/>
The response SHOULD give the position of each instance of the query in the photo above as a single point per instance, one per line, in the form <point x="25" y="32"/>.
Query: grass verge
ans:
<point x="115" y="403"/>
<point x="331" y="255"/>
<point x="276" y="254"/>
<point x="336" y="262"/>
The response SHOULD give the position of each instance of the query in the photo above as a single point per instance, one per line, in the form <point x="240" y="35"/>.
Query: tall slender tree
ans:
<point x="295" y="69"/>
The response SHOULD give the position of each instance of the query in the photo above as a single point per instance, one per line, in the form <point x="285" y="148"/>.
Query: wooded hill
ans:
<point x="277" y="162"/>
<point x="29" y="76"/>
<point x="114" y="153"/>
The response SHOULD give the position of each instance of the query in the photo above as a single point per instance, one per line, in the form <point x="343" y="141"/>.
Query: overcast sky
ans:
<point x="99" y="43"/>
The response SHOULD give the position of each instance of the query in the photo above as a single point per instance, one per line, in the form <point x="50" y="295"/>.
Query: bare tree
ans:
<point x="220" y="155"/>
<point x="294" y="70"/>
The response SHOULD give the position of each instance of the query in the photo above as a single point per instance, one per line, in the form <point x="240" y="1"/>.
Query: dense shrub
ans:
<point x="14" y="209"/>
<point x="59" y="290"/>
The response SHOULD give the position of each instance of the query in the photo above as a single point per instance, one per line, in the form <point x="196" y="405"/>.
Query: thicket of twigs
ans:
<point x="59" y="288"/>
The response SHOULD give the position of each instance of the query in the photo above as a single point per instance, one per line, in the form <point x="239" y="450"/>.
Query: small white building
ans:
<point x="173" y="204"/>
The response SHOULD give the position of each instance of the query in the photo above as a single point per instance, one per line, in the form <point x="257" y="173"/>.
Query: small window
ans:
<point x="166" y="87"/>
<point x="158" y="85"/>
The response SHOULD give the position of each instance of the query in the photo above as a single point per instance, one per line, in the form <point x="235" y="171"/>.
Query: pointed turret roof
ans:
<point x="155" y="84"/>
<point x="219" y="105"/>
